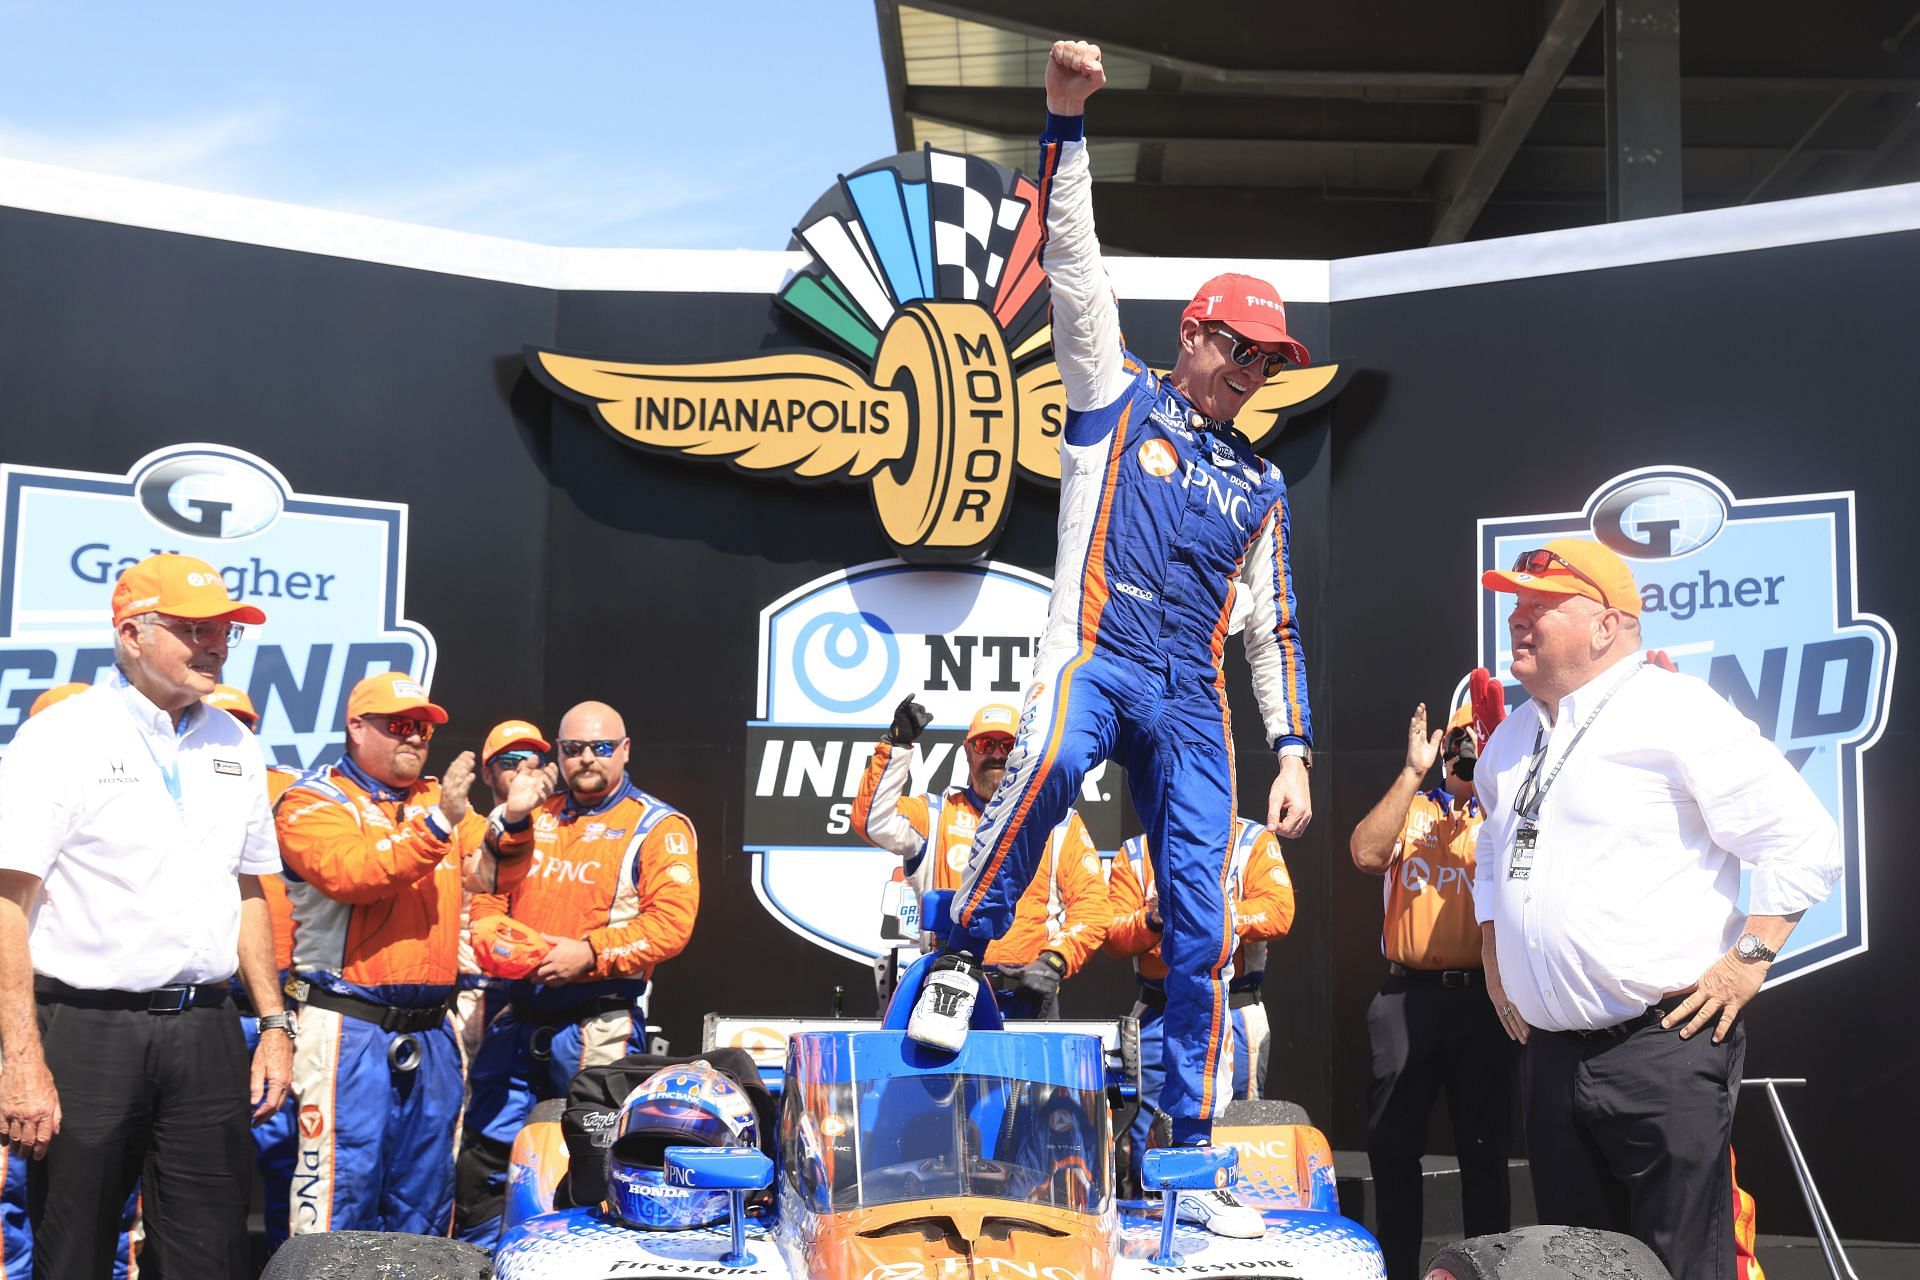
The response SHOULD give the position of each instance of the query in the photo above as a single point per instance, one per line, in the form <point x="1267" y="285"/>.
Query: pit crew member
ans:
<point x="373" y="852"/>
<point x="1062" y="916"/>
<point x="1431" y="1026"/>
<point x="615" y="887"/>
<point x="1261" y="892"/>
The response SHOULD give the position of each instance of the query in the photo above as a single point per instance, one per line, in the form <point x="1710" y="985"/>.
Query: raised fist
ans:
<point x="1074" y="74"/>
<point x="910" y="720"/>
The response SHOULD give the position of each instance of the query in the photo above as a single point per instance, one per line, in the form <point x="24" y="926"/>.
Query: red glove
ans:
<point x="505" y="948"/>
<point x="1489" y="699"/>
<point x="1659" y="658"/>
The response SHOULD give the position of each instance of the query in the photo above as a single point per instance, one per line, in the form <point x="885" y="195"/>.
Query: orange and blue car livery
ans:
<point x="896" y="1161"/>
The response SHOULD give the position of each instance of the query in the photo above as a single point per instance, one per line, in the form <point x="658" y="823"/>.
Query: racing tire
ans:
<point x="1548" y="1253"/>
<point x="548" y="1112"/>
<point x="351" y="1255"/>
<point x="1264" y="1111"/>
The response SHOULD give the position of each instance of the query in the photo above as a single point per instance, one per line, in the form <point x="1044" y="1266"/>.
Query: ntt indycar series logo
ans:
<point x="836" y="656"/>
<point x="926" y="282"/>
<point x="1757" y="596"/>
<point x="329" y="573"/>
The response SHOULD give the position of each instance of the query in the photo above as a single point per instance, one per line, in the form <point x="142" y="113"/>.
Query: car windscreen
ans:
<point x="855" y="1145"/>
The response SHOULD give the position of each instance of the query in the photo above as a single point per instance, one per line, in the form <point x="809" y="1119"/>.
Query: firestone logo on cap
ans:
<point x="1255" y="300"/>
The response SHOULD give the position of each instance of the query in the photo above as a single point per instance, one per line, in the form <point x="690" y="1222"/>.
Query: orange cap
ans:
<point x="59" y="693"/>
<point x="505" y="948"/>
<point x="1463" y="718"/>
<point x="234" y="702"/>
<point x="995" y="717"/>
<point x="512" y="733"/>
<point x="180" y="587"/>
<point x="1597" y="573"/>
<point x="392" y="693"/>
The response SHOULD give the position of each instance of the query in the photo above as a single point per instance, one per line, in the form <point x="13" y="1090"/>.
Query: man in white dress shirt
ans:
<point x="1622" y="802"/>
<point x="133" y="830"/>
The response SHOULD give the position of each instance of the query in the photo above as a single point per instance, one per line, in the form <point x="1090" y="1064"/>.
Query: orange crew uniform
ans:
<point x="1428" y="888"/>
<point x="374" y="876"/>
<point x="1065" y="907"/>
<point x="623" y="875"/>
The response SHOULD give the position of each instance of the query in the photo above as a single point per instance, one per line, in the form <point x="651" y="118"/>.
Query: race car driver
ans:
<point x="273" y="1145"/>
<point x="615" y="887"/>
<point x="1165" y="510"/>
<point x="1062" y="916"/>
<point x="373" y="852"/>
<point x="1262" y="895"/>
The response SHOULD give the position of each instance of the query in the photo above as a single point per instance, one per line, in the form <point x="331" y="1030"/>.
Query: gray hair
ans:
<point x="145" y="620"/>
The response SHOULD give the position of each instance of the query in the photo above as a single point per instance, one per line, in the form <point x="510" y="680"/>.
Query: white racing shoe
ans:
<point x="944" y="1010"/>
<point x="1221" y="1212"/>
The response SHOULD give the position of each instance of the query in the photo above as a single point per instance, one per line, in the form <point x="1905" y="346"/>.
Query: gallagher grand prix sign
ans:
<point x="330" y="573"/>
<point x="926" y="281"/>
<point x="1757" y="596"/>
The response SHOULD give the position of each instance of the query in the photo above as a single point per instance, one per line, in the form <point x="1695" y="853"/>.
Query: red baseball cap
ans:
<point x="180" y="587"/>
<point x="1251" y="308"/>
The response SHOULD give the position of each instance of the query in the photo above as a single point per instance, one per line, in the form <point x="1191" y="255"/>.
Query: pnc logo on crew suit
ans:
<point x="926" y="283"/>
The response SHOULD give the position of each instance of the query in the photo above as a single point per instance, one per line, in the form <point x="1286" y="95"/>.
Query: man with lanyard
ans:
<point x="1062" y="916"/>
<point x="1430" y="1025"/>
<point x="1623" y="801"/>
<point x="1165" y="511"/>
<point x="1261" y="892"/>
<point x="615" y="887"/>
<point x="144" y="816"/>
<point x="374" y="854"/>
<point x="273" y="1144"/>
<point x="512" y="746"/>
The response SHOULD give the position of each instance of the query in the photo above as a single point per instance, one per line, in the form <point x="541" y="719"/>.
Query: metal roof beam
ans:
<point x="1466" y="181"/>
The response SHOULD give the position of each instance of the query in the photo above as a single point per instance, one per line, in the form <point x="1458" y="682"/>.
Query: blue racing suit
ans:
<point x="1163" y="513"/>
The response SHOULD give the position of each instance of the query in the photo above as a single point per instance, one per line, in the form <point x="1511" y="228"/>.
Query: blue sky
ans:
<point x="649" y="123"/>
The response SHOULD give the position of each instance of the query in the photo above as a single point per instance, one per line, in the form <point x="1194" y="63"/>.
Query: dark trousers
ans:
<point x="154" y="1099"/>
<point x="1427" y="1038"/>
<point x="1630" y="1133"/>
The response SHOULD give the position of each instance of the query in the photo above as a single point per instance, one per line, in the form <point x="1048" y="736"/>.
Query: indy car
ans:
<point x="843" y="1150"/>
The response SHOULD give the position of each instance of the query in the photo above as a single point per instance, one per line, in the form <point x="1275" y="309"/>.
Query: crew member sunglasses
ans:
<point x="407" y="726"/>
<point x="602" y="747"/>
<point x="203" y="631"/>
<point x="1244" y="353"/>
<point x="511" y="760"/>
<point x="1541" y="564"/>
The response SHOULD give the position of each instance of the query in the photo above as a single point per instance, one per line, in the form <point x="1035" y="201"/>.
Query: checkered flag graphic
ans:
<point x="965" y="198"/>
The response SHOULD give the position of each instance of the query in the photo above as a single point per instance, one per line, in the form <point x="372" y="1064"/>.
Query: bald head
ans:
<point x="592" y="720"/>
<point x="584" y="730"/>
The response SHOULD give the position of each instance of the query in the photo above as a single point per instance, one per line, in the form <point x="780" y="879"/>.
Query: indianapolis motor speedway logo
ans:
<point x="329" y="572"/>
<point x="1757" y="596"/>
<point x="925" y="277"/>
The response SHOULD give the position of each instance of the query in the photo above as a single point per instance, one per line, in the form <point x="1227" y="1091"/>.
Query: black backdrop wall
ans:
<point x="553" y="563"/>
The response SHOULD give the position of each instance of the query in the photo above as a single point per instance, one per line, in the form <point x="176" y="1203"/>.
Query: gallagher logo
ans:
<point x="926" y="279"/>
<point x="1759" y="598"/>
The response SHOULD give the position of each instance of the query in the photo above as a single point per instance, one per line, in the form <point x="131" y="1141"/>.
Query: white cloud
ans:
<point x="194" y="151"/>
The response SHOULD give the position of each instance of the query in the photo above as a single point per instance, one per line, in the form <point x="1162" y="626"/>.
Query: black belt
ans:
<point x="170" y="999"/>
<point x="1453" y="979"/>
<point x="385" y="1016"/>
<point x="574" y="1012"/>
<point x="1621" y="1030"/>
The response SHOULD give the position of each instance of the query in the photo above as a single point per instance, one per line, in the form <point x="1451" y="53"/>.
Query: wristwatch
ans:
<point x="1750" y="948"/>
<point x="277" y="1022"/>
<point x="1300" y="751"/>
